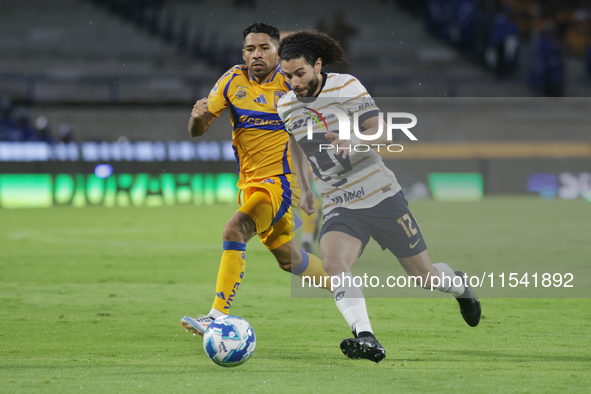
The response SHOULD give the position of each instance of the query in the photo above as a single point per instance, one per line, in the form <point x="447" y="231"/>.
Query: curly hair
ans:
<point x="320" y="45"/>
<point x="262" y="27"/>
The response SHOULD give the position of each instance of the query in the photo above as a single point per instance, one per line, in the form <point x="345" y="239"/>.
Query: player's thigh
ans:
<point x="259" y="207"/>
<point x="343" y="237"/>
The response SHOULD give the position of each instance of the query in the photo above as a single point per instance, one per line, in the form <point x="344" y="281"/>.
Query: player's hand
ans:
<point x="200" y="108"/>
<point x="307" y="202"/>
<point x="342" y="146"/>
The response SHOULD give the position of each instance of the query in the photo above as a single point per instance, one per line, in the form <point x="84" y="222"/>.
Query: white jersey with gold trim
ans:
<point x="359" y="181"/>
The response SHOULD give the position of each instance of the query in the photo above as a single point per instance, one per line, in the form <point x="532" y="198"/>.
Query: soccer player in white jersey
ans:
<point x="361" y="196"/>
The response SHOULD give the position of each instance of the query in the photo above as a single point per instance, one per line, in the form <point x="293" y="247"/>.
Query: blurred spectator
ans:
<point x="494" y="31"/>
<point x="42" y="130"/>
<point x="503" y="44"/>
<point x="6" y="122"/>
<point x="547" y="70"/>
<point x="485" y="19"/>
<point x="577" y="34"/>
<point x="65" y="134"/>
<point x="436" y="17"/>
<point x="22" y="131"/>
<point x="463" y="24"/>
<point x="524" y="12"/>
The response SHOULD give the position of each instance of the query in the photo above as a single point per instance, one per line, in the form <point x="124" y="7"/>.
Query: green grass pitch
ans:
<point x="91" y="300"/>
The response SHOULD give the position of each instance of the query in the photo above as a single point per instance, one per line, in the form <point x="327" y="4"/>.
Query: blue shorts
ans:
<point x="390" y="223"/>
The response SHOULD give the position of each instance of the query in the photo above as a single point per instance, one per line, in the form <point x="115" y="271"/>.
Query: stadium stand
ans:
<point x="543" y="43"/>
<point x="74" y="54"/>
<point x="115" y="60"/>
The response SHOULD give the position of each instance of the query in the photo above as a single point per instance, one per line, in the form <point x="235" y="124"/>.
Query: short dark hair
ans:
<point x="262" y="27"/>
<point x="320" y="44"/>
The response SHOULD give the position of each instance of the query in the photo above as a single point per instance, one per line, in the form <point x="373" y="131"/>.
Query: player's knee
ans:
<point x="230" y="233"/>
<point x="238" y="230"/>
<point x="233" y="231"/>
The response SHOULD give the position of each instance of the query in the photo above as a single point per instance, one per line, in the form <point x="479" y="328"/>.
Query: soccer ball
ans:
<point x="229" y="341"/>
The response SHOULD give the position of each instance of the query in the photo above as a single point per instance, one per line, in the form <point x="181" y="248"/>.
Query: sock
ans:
<point x="447" y="283"/>
<point x="215" y="313"/>
<point x="229" y="275"/>
<point x="351" y="304"/>
<point x="311" y="267"/>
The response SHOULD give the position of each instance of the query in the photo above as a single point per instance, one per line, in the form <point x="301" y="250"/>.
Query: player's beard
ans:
<point x="261" y="73"/>
<point x="310" y="88"/>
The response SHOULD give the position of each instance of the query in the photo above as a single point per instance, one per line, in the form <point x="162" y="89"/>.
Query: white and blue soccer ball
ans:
<point x="229" y="341"/>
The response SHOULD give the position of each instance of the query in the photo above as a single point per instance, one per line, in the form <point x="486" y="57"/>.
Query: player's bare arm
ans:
<point x="201" y="118"/>
<point x="300" y="163"/>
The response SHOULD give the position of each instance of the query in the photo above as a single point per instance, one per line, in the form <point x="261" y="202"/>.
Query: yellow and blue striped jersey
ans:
<point x="259" y="137"/>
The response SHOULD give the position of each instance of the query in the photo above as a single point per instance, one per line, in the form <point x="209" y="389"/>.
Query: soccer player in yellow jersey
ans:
<point x="260" y="142"/>
<point x="309" y="221"/>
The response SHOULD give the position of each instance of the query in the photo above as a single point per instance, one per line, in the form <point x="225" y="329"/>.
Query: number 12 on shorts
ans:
<point x="406" y="223"/>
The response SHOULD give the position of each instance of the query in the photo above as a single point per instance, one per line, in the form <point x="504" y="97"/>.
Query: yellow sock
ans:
<point x="311" y="268"/>
<point x="230" y="275"/>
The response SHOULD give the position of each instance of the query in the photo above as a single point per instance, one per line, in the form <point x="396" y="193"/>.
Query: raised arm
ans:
<point x="201" y="118"/>
<point x="300" y="164"/>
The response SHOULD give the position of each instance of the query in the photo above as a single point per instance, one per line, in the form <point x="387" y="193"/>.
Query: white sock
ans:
<point x="448" y="284"/>
<point x="215" y="313"/>
<point x="351" y="303"/>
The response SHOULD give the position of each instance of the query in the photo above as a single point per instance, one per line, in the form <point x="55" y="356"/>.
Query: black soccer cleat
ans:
<point x="469" y="303"/>
<point x="363" y="347"/>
